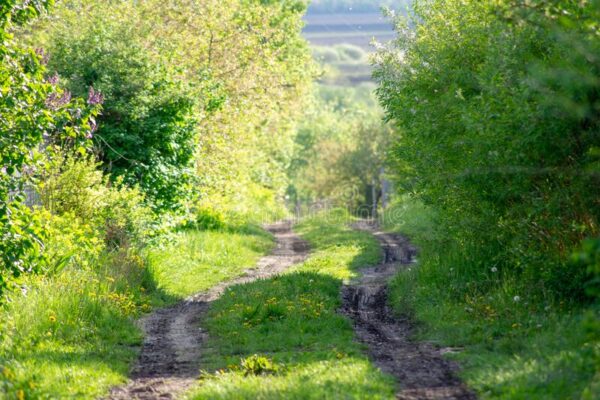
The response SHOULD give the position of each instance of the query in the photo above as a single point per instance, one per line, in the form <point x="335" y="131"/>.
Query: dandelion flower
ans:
<point x="494" y="269"/>
<point x="52" y="318"/>
<point x="516" y="299"/>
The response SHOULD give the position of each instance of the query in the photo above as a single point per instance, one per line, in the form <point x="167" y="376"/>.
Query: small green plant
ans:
<point x="209" y="219"/>
<point x="258" y="365"/>
<point x="587" y="258"/>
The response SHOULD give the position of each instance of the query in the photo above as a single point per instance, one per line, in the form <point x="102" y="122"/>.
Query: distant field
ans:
<point x="353" y="28"/>
<point x="358" y="29"/>
<point x="346" y="18"/>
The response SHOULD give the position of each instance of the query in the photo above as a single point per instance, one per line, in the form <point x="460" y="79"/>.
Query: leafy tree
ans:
<point x="243" y="63"/>
<point x="35" y="114"/>
<point x="146" y="131"/>
<point x="497" y="110"/>
<point x="340" y="149"/>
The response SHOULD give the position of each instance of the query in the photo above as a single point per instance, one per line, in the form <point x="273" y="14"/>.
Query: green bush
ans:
<point x="34" y="110"/>
<point x="70" y="242"/>
<point x="496" y="109"/>
<point x="73" y="185"/>
<point x="145" y="133"/>
<point x="497" y="113"/>
<point x="210" y="219"/>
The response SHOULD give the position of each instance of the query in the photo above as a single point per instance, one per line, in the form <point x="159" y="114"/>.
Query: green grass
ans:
<point x="73" y="335"/>
<point x="292" y="321"/>
<point x="198" y="260"/>
<point x="521" y="347"/>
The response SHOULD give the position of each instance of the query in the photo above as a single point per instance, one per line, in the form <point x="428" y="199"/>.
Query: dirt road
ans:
<point x="420" y="368"/>
<point x="171" y="352"/>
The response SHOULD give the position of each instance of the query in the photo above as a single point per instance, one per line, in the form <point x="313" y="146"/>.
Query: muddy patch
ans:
<point x="420" y="368"/>
<point x="169" y="362"/>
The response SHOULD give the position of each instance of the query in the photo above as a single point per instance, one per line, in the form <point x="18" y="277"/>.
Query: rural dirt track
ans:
<point x="171" y="352"/>
<point x="419" y="367"/>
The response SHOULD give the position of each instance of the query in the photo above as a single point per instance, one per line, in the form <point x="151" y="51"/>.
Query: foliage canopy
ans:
<point x="497" y="110"/>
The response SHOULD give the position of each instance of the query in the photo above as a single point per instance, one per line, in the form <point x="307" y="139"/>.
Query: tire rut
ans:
<point x="169" y="362"/>
<point x="419" y="367"/>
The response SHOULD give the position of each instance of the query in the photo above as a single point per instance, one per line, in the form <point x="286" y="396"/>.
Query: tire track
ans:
<point x="419" y="367"/>
<point x="169" y="362"/>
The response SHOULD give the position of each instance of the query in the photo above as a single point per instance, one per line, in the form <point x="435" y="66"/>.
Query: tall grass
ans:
<point x="513" y="344"/>
<point x="73" y="334"/>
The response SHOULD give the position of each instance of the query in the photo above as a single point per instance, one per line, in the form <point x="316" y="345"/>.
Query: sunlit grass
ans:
<point x="339" y="250"/>
<point x="198" y="260"/>
<point x="513" y="345"/>
<point x="292" y="320"/>
<point x="74" y="335"/>
<point x="66" y="338"/>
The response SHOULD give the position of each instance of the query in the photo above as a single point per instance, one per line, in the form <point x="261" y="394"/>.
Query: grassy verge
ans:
<point x="515" y="346"/>
<point x="73" y="335"/>
<point x="282" y="338"/>
<point x="198" y="260"/>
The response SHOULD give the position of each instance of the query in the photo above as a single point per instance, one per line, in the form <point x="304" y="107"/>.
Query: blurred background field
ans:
<point x="342" y="33"/>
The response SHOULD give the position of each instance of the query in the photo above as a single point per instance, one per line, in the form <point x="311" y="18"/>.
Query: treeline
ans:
<point x="183" y="106"/>
<point x="497" y="109"/>
<point x="340" y="148"/>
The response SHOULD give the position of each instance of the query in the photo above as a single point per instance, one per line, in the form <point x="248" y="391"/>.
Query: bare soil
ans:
<point x="169" y="362"/>
<point x="419" y="367"/>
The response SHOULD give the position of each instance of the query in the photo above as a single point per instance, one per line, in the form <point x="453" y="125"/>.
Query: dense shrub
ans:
<point x="73" y="188"/>
<point x="145" y="133"/>
<point x="232" y="75"/>
<point x="497" y="110"/>
<point x="34" y="110"/>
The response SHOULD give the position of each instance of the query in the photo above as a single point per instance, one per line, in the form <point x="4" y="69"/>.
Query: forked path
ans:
<point x="419" y="367"/>
<point x="170" y="356"/>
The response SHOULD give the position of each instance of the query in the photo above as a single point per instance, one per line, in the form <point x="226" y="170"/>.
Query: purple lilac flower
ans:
<point x="55" y="101"/>
<point x="44" y="57"/>
<point x="28" y="170"/>
<point x="93" y="128"/>
<point x="53" y="80"/>
<point x="94" y="97"/>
